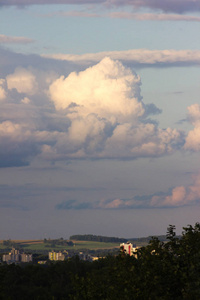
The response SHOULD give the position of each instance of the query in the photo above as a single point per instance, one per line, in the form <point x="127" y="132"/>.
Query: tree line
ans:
<point x="162" y="270"/>
<point x="57" y="242"/>
<point x="97" y="238"/>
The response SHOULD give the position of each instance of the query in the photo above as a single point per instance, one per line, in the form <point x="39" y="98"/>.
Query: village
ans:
<point x="18" y="256"/>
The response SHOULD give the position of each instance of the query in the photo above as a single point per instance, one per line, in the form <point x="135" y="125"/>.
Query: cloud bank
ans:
<point x="128" y="16"/>
<point x="134" y="58"/>
<point x="152" y="17"/>
<point x="97" y="113"/>
<point x="178" y="197"/>
<point x="178" y="6"/>
<point x="140" y="57"/>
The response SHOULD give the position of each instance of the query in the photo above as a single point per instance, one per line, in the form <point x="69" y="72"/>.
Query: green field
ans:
<point x="78" y="245"/>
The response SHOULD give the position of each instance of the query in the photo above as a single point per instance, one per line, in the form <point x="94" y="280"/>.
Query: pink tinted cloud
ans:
<point x="153" y="17"/>
<point x="128" y="15"/>
<point x="113" y="204"/>
<point x="193" y="138"/>
<point x="75" y="13"/>
<point x="4" y="39"/>
<point x="180" y="195"/>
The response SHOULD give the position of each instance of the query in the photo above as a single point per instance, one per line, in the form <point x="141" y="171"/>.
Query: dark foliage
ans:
<point x="163" y="270"/>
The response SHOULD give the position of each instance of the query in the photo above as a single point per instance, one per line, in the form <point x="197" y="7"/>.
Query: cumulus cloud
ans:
<point x="26" y="124"/>
<point x="97" y="113"/>
<point x="178" y="6"/>
<point x="108" y="89"/>
<point x="144" y="140"/>
<point x="193" y="138"/>
<point x="141" y="57"/>
<point x="106" y="112"/>
<point x="23" y="81"/>
<point x="4" y="39"/>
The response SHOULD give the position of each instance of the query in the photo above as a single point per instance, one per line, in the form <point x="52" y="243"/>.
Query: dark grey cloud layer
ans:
<point x="10" y="60"/>
<point x="178" y="6"/>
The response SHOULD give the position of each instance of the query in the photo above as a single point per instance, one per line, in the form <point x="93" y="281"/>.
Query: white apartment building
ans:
<point x="128" y="248"/>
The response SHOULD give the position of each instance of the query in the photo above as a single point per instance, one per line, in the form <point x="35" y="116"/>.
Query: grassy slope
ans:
<point x="40" y="245"/>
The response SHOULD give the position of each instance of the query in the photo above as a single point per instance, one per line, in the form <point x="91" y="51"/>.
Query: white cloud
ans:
<point x="23" y="80"/>
<point x="143" y="140"/>
<point x="106" y="112"/>
<point x="21" y="132"/>
<point x="107" y="89"/>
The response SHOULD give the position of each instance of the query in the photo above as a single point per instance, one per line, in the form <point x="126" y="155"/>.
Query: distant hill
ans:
<point x="105" y="239"/>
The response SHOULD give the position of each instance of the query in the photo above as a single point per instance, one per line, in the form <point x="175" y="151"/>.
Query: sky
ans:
<point x="99" y="117"/>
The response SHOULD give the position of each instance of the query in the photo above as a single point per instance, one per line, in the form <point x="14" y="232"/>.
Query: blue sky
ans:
<point x="99" y="118"/>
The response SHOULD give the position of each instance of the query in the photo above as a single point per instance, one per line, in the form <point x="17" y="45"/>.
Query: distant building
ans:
<point x="84" y="256"/>
<point x="15" y="257"/>
<point x="26" y="257"/>
<point x="128" y="248"/>
<point x="56" y="256"/>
